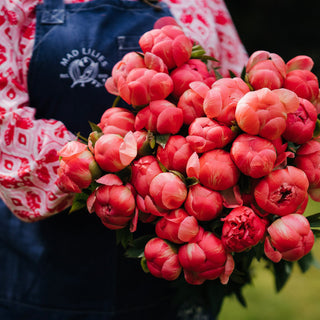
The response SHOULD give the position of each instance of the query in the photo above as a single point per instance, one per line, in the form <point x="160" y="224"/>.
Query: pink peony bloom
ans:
<point x="266" y="70"/>
<point x="300" y="62"/>
<point x="242" y="229"/>
<point x="177" y="226"/>
<point x="143" y="142"/>
<point x="77" y="167"/>
<point x="113" y="152"/>
<point x="117" y="120"/>
<point x="143" y="85"/>
<point x="282" y="192"/>
<point x="264" y="112"/>
<point x="162" y="259"/>
<point x="113" y="202"/>
<point x="191" y="102"/>
<point x="168" y="191"/>
<point x="304" y="83"/>
<point x="308" y="160"/>
<point x="290" y="238"/>
<point x="221" y="100"/>
<point x="192" y="70"/>
<point x="169" y="43"/>
<point x="205" y="259"/>
<point x="121" y="70"/>
<point x="175" y="154"/>
<point x="203" y="203"/>
<point x="302" y="121"/>
<point x="206" y="134"/>
<point x="253" y="155"/>
<point x="143" y="171"/>
<point x="160" y="116"/>
<point x="217" y="170"/>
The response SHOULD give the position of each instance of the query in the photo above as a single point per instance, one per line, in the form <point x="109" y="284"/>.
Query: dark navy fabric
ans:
<point x="76" y="47"/>
<point x="68" y="266"/>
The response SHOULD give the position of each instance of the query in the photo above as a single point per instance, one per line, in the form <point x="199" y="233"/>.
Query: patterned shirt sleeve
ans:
<point x="28" y="146"/>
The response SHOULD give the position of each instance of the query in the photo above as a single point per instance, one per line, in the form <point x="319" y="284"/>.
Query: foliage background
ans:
<point x="288" y="28"/>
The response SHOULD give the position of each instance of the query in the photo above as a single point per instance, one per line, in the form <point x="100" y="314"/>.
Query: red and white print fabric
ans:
<point x="28" y="147"/>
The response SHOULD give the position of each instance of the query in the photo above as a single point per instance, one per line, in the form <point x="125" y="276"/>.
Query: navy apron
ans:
<point x="69" y="266"/>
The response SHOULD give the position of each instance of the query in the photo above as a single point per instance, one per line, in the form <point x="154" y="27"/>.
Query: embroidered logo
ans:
<point x="85" y="66"/>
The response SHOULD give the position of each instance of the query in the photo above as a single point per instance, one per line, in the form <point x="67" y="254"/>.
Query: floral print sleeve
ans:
<point x="28" y="146"/>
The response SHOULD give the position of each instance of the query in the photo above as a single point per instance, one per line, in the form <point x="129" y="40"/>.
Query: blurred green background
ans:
<point x="299" y="299"/>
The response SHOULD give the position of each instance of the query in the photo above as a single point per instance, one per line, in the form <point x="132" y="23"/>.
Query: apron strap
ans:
<point x="54" y="12"/>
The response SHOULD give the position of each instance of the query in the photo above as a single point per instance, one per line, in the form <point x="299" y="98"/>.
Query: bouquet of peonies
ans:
<point x="222" y="167"/>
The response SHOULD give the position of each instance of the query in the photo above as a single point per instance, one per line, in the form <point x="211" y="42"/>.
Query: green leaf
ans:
<point x="316" y="232"/>
<point x="241" y="298"/>
<point x="282" y="272"/>
<point x="79" y="202"/>
<point x="124" y="236"/>
<point x="232" y="74"/>
<point x="191" y="181"/>
<point x="316" y="131"/>
<point x="243" y="73"/>
<point x="315" y="224"/>
<point x="217" y="74"/>
<point x="162" y="139"/>
<point x="306" y="262"/>
<point x="94" y="127"/>
<point x="314" y="217"/>
<point x="135" y="248"/>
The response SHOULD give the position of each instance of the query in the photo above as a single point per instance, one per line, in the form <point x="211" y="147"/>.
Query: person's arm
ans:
<point x="28" y="147"/>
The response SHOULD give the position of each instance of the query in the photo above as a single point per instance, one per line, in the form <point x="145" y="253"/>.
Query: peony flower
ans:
<point x="192" y="70"/>
<point x="206" y="134"/>
<point x="175" y="154"/>
<point x="221" y="100"/>
<point x="177" y="226"/>
<point x="205" y="259"/>
<point x="143" y="171"/>
<point x="304" y="83"/>
<point x="282" y="192"/>
<point x="217" y="171"/>
<point x="162" y="259"/>
<point x="308" y="159"/>
<point x="266" y="70"/>
<point x="289" y="238"/>
<point x="117" y="120"/>
<point x="191" y="102"/>
<point x="121" y="70"/>
<point x="242" y="229"/>
<point x="160" y="116"/>
<point x="167" y="191"/>
<point x="113" y="202"/>
<point x="169" y="43"/>
<point x="300" y="62"/>
<point x="264" y="112"/>
<point x="143" y="85"/>
<point x="253" y="155"/>
<point x="203" y="203"/>
<point x="302" y="121"/>
<point x="77" y="167"/>
<point x="113" y="152"/>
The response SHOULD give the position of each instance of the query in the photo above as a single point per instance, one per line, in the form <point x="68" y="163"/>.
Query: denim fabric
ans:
<point x="76" y="47"/>
<point x="69" y="266"/>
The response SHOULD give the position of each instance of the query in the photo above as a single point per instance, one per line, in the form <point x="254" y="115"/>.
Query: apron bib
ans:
<point x="76" y="46"/>
<point x="69" y="266"/>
